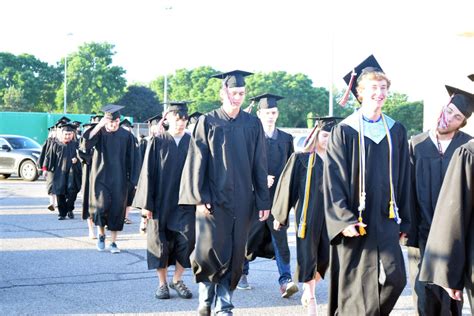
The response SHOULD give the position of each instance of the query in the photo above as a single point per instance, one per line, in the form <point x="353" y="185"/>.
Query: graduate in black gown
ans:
<point x="449" y="254"/>
<point x="263" y="240"/>
<point x="300" y="187"/>
<point x="62" y="160"/>
<point x="225" y="176"/>
<point x="114" y="165"/>
<point x="86" y="160"/>
<point x="430" y="154"/>
<point x="131" y="187"/>
<point x="171" y="227"/>
<point x="41" y="165"/>
<point x="142" y="144"/>
<point x="367" y="201"/>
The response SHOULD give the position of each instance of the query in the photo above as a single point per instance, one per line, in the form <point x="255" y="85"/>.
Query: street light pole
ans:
<point x="65" y="79"/>
<point x="65" y="84"/>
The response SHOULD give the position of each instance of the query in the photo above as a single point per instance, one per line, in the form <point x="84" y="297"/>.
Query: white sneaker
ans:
<point x="113" y="248"/>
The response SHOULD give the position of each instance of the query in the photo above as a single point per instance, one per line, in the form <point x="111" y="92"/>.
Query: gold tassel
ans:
<point x="362" y="230"/>
<point x="302" y="230"/>
<point x="391" y="213"/>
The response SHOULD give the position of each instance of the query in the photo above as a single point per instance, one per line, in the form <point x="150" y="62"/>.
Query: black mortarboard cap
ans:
<point x="76" y="123"/>
<point x="62" y="120"/>
<point x="193" y="118"/>
<point x="68" y="127"/>
<point x="370" y="64"/>
<point x="127" y="123"/>
<point x="154" y="120"/>
<point x="95" y="118"/>
<point x="463" y="100"/>
<point x="178" y="106"/>
<point x="112" y="111"/>
<point x="233" y="78"/>
<point x="326" y="123"/>
<point x="266" y="100"/>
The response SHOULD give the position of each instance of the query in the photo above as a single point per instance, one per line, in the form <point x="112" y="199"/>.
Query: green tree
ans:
<point x="191" y="85"/>
<point x="37" y="80"/>
<point x="92" y="81"/>
<point x="140" y="102"/>
<point x="14" y="100"/>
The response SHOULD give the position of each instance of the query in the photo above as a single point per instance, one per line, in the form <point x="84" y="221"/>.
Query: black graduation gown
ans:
<point x="278" y="148"/>
<point x="66" y="175"/>
<point x="428" y="169"/>
<point x="41" y="162"/>
<point x="86" y="159"/>
<point x="114" y="165"/>
<point x="354" y="286"/>
<point x="313" y="250"/>
<point x="226" y="166"/>
<point x="131" y="187"/>
<point x="158" y="191"/>
<point x="449" y="254"/>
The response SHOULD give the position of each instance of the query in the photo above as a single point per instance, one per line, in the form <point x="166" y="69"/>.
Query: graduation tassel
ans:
<point x="304" y="211"/>
<point x="391" y="211"/>
<point x="361" y="208"/>
<point x="342" y="102"/>
<point x="250" y="107"/>
<point x="362" y="193"/>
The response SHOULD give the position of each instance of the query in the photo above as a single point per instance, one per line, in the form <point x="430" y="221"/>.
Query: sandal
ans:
<point x="127" y="221"/>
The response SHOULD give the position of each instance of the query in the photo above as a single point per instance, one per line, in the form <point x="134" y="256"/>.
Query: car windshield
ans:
<point x="22" y="143"/>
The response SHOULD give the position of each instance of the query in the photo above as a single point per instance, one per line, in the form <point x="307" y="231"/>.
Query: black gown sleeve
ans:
<point x="286" y="192"/>
<point x="145" y="194"/>
<point x="446" y="260"/>
<point x="336" y="185"/>
<point x="194" y="188"/>
<point x="414" y="210"/>
<point x="403" y="195"/>
<point x="260" y="172"/>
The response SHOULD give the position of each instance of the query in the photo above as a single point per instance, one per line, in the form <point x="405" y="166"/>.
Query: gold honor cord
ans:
<point x="362" y="193"/>
<point x="393" y="209"/>
<point x="302" y="226"/>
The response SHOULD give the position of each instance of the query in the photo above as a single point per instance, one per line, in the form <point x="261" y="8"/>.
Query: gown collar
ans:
<point x="374" y="131"/>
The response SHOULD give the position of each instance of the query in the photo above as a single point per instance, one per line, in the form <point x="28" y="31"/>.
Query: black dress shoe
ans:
<point x="61" y="218"/>
<point x="204" y="311"/>
<point x="70" y="214"/>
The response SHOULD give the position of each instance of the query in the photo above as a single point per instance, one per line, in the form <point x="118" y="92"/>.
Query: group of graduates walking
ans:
<point x="219" y="197"/>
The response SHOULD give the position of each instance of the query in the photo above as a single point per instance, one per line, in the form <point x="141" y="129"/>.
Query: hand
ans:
<point x="270" y="180"/>
<point x="351" y="231"/>
<point x="276" y="225"/>
<point x="149" y="214"/>
<point x="403" y="236"/>
<point x="454" y="294"/>
<point x="263" y="215"/>
<point x="74" y="160"/>
<point x="103" y="121"/>
<point x="204" y="208"/>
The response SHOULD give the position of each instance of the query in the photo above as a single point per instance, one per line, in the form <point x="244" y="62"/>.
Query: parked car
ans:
<point x="19" y="155"/>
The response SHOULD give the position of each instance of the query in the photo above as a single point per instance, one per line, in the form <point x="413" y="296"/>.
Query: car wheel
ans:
<point x="28" y="171"/>
<point x="5" y="176"/>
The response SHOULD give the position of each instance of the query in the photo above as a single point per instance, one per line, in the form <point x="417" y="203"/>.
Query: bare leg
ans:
<point x="127" y="211"/>
<point x="178" y="272"/>
<point x="90" y="224"/>
<point x="113" y="236"/>
<point x="162" y="274"/>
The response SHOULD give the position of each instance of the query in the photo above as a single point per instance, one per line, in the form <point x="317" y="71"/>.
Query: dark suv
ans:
<point x="19" y="155"/>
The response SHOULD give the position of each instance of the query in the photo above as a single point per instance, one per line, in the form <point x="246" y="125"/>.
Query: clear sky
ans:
<point x="416" y="42"/>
